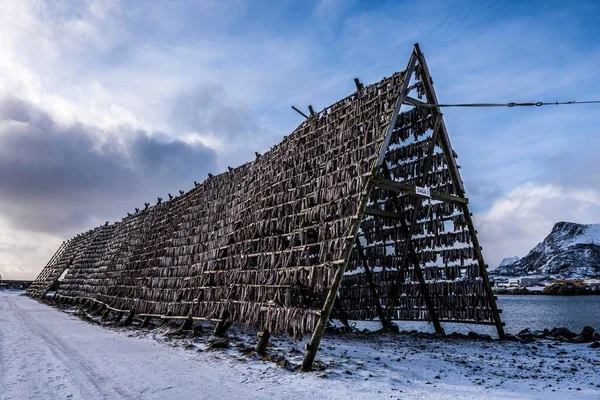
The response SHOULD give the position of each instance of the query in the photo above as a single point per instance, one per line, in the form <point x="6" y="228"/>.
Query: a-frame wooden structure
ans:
<point x="405" y="199"/>
<point x="360" y="213"/>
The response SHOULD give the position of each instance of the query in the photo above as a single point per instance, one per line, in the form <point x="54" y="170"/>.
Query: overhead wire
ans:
<point x="512" y="104"/>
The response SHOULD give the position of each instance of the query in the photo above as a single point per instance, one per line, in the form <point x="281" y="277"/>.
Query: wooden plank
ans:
<point x="376" y="212"/>
<point x="399" y="187"/>
<point x="432" y="99"/>
<point x="372" y="287"/>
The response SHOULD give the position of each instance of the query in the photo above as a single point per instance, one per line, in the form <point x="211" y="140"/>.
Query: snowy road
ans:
<point x="49" y="354"/>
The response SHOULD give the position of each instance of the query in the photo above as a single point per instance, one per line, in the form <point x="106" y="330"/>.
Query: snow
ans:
<point x="590" y="235"/>
<point x="508" y="261"/>
<point x="47" y="353"/>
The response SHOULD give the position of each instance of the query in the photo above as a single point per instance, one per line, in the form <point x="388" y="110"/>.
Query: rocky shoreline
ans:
<point x="554" y="290"/>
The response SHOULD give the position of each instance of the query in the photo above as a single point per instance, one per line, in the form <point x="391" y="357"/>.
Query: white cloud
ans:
<point x="519" y="220"/>
<point x="23" y="252"/>
<point x="115" y="68"/>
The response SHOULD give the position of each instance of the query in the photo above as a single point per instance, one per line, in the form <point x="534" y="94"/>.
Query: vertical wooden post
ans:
<point x="119" y="316"/>
<point x="187" y="324"/>
<point x="129" y="318"/>
<point x="106" y="314"/>
<point x="263" y="341"/>
<point x="223" y="325"/>
<point x="145" y="321"/>
<point x="484" y="273"/>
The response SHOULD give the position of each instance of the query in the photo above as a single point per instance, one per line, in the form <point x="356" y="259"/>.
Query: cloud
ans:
<point x="62" y="179"/>
<point x="520" y="219"/>
<point x="108" y="104"/>
<point x="209" y="117"/>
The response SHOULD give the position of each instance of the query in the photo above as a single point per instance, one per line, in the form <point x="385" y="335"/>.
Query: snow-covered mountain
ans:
<point x="509" y="261"/>
<point x="570" y="251"/>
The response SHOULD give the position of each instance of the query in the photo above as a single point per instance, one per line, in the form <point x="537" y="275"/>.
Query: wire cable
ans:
<point x="536" y="104"/>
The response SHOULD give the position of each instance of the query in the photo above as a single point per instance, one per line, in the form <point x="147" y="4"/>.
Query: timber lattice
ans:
<point x="328" y="216"/>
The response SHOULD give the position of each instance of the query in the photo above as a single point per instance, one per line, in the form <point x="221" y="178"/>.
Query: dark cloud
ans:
<point x="205" y="110"/>
<point x="61" y="179"/>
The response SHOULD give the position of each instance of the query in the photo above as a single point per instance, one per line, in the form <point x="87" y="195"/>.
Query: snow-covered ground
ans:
<point x="49" y="354"/>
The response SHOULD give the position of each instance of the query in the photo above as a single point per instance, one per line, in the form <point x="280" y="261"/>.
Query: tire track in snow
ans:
<point x="84" y="372"/>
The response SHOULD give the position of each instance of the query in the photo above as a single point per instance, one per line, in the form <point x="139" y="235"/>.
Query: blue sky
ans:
<point x="107" y="104"/>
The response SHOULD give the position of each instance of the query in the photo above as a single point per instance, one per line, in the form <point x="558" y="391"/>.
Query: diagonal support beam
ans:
<point x="371" y="282"/>
<point x="315" y="340"/>
<point x="409" y="252"/>
<point x="445" y="143"/>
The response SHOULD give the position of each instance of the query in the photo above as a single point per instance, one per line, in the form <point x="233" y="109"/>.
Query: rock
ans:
<point x="538" y="334"/>
<point x="586" y="336"/>
<point x="588" y="331"/>
<point x="174" y="332"/>
<point x="562" y="332"/>
<point x="511" y="338"/>
<point x="457" y="335"/>
<point x="595" y="345"/>
<point x="580" y="339"/>
<point x="218" y="344"/>
<point x="283" y="363"/>
<point x="475" y="335"/>
<point x="524" y="332"/>
<point x="526" y="335"/>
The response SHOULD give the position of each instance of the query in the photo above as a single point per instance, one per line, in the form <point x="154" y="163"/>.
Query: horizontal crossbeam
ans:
<point x="376" y="212"/>
<point x="406" y="188"/>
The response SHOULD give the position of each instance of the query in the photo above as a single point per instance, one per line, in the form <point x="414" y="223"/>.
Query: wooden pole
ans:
<point x="223" y="325"/>
<point x="145" y="321"/>
<point x="119" y="316"/>
<point x="368" y="274"/>
<point x="408" y="247"/>
<point x="106" y="314"/>
<point x="129" y="318"/>
<point x="187" y="324"/>
<point x="423" y="285"/>
<point x="342" y="316"/>
<point x="456" y="179"/>
<point x="263" y="341"/>
<point x="484" y="273"/>
<point x="46" y="270"/>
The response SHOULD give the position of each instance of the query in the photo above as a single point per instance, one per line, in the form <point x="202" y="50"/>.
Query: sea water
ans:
<point x="536" y="312"/>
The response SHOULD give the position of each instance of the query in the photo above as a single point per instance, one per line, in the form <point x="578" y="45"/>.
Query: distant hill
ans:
<point x="570" y="251"/>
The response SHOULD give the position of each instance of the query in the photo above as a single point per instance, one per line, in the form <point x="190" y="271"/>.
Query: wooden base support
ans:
<point x="145" y="321"/>
<point x="263" y="341"/>
<point x="187" y="324"/>
<point x="223" y="325"/>
<point x="129" y="318"/>
<point x="119" y="316"/>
